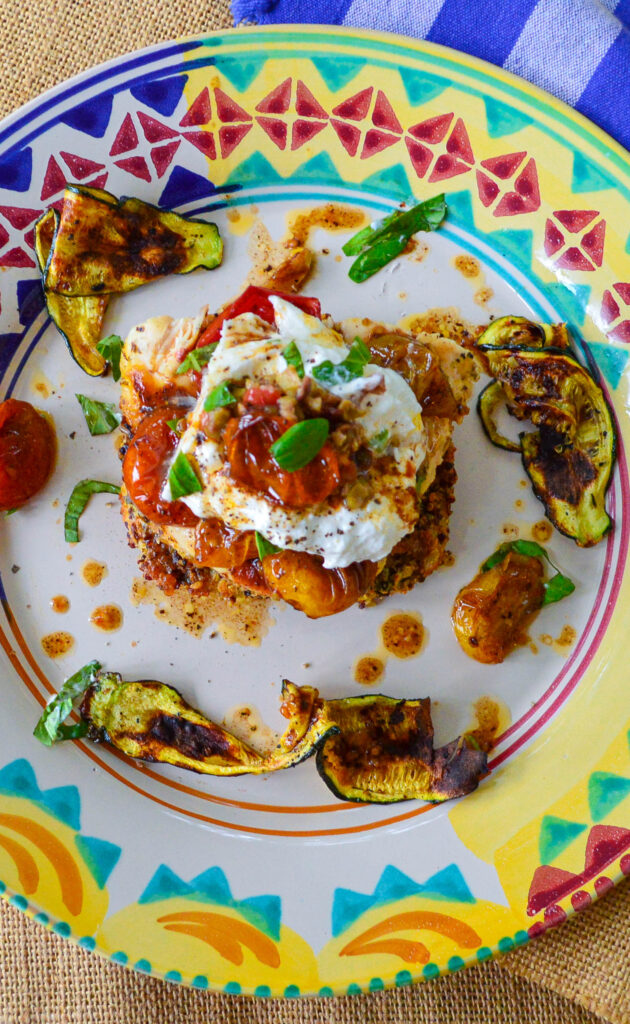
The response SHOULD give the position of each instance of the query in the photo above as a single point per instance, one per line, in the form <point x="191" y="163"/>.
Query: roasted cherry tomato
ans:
<point x="145" y="468"/>
<point x="255" y="300"/>
<point x="220" y="547"/>
<point x="247" y="443"/>
<point x="27" y="452"/>
<point x="251" y="576"/>
<point x="262" y="394"/>
<point x="301" y="580"/>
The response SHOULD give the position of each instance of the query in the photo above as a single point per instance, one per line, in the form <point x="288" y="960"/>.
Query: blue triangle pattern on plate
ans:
<point x="450" y="884"/>
<point x="65" y="803"/>
<point x="265" y="912"/>
<point x="320" y="169"/>
<point x="460" y="208"/>
<point x="161" y="94"/>
<point x="92" y="116"/>
<point x="555" y="835"/>
<point x="30" y="299"/>
<point x="163" y="884"/>
<point x="605" y="792"/>
<point x="18" y="779"/>
<point x="503" y="119"/>
<point x="16" y="169"/>
<point x="9" y="344"/>
<point x="392" y="182"/>
<point x="184" y="186"/>
<point x="517" y="244"/>
<point x="254" y="171"/>
<point x="587" y="177"/>
<point x="571" y="299"/>
<point x="421" y="86"/>
<point x="213" y="885"/>
<point x="611" y="361"/>
<point x="100" y="856"/>
<point x="241" y="73"/>
<point x="337" y="72"/>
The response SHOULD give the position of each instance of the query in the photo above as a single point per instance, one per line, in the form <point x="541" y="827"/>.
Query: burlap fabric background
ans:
<point x="579" y="974"/>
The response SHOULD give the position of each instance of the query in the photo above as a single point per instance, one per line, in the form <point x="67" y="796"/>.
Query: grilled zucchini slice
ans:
<point x="488" y="402"/>
<point x="519" y="332"/>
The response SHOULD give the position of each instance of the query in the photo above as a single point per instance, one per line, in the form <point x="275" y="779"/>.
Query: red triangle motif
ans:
<point x="348" y="135"/>
<point x="228" y="109"/>
<point x="459" y="144"/>
<point x="421" y="157"/>
<point x="4" y="235"/>
<point x="504" y="167"/>
<point x="432" y="130"/>
<point x="622" y="332"/>
<point x="200" y="112"/>
<point x="135" y="165"/>
<point x="275" y="129"/>
<point x="155" y="131"/>
<point x="488" y="189"/>
<point x="305" y="103"/>
<point x="610" y="309"/>
<point x="526" y="195"/>
<point x="604" y="844"/>
<point x="383" y="115"/>
<point x="575" y="220"/>
<point x="447" y="166"/>
<point x="593" y="243"/>
<point x="99" y="182"/>
<point x="549" y="885"/>
<point x="375" y="142"/>
<point x="230" y="137"/>
<point x="574" y="259"/>
<point x="161" y="156"/>
<point x="18" y="217"/>
<point x="623" y="291"/>
<point x="54" y="179"/>
<point x="80" y="167"/>
<point x="29" y="238"/>
<point x="16" y="258"/>
<point x="204" y="141"/>
<point x="355" y="108"/>
<point x="126" y="137"/>
<point x="554" y="239"/>
<point x="304" y="131"/>
<point x="278" y="101"/>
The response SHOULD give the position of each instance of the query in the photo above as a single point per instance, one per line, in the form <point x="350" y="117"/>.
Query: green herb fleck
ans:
<point x="265" y="547"/>
<point x="50" y="728"/>
<point x="101" y="417"/>
<point x="292" y="355"/>
<point x="219" y="396"/>
<point x="349" y="369"/>
<point x="182" y="477"/>
<point x="77" y="503"/>
<point x="111" y="348"/>
<point x="300" y="444"/>
<point x="196" y="359"/>
<point x="376" y="246"/>
<point x="557" y="587"/>
<point x="378" y="442"/>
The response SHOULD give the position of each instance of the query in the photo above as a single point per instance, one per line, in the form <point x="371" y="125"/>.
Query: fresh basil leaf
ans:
<point x="389" y="238"/>
<point x="366" y="235"/>
<point x="348" y="369"/>
<point x="219" y="396"/>
<point x="265" y="547"/>
<point x="292" y="355"/>
<point x="10" y="512"/>
<point x="77" y="503"/>
<point x="50" y="728"/>
<point x="557" y="587"/>
<point x="196" y="359"/>
<point x="182" y="478"/>
<point x="111" y="348"/>
<point x="300" y="444"/>
<point x="378" y="442"/>
<point x="101" y="417"/>
<point x="377" y="257"/>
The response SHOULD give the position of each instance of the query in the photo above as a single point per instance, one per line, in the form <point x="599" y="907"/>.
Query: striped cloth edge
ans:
<point x="578" y="50"/>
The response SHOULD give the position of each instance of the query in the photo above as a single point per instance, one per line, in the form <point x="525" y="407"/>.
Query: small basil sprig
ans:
<point x="218" y="397"/>
<point x="50" y="728"/>
<point x="556" y="587"/>
<point x="182" y="478"/>
<point x="111" y="348"/>
<point x="379" y="245"/>
<point x="349" y="369"/>
<point x="101" y="417"/>
<point x="196" y="359"/>
<point x="300" y="444"/>
<point x="378" y="442"/>
<point x="77" y="502"/>
<point x="292" y="355"/>
<point x="265" y="547"/>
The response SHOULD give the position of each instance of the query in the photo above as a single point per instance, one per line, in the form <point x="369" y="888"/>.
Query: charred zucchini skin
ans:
<point x="489" y="399"/>
<point x="519" y="332"/>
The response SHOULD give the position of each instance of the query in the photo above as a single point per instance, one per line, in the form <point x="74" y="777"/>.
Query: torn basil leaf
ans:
<point x="101" y="417"/>
<point x="77" y="503"/>
<point x="50" y="728"/>
<point x="557" y="587"/>
<point x="182" y="478"/>
<point x="196" y="359"/>
<point x="111" y="348"/>
<point x="265" y="547"/>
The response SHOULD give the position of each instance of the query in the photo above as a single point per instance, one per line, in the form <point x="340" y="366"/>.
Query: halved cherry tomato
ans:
<point x="220" y="547"/>
<point x="27" y="452"/>
<point x="251" y="576"/>
<point x="145" y="468"/>
<point x="255" y="300"/>
<point x="247" y="443"/>
<point x="262" y="394"/>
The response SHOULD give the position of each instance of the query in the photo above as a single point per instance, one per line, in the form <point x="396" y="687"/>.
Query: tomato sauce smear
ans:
<point x="27" y="452"/>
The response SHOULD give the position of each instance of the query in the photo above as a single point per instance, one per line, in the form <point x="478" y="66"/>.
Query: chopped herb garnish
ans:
<point x="421" y="476"/>
<point x="10" y="512"/>
<point x="556" y="587"/>
<point x="182" y="478"/>
<point x="219" y="396"/>
<point x="50" y="728"/>
<point x="111" y="348"/>
<point x="172" y="423"/>
<point x="292" y="355"/>
<point x="349" y="369"/>
<point x="300" y="444"/>
<point x="378" y="442"/>
<point x="376" y="246"/>
<point x="265" y="547"/>
<point x="77" y="503"/>
<point x="196" y="359"/>
<point x="101" y="417"/>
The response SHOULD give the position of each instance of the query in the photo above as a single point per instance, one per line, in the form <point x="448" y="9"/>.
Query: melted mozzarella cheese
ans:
<point x="250" y="348"/>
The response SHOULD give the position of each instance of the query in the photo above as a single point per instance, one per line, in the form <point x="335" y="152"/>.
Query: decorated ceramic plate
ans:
<point x="269" y="885"/>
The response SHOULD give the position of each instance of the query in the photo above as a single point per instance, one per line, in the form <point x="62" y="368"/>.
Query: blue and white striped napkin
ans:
<point x="579" y="50"/>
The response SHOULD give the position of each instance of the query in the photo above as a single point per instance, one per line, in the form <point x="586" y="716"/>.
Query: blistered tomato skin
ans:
<point x="27" y="452"/>
<point x="145" y="469"/>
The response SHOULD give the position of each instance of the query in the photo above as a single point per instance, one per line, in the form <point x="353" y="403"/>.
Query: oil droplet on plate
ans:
<point x="59" y="604"/>
<point x="56" y="645"/>
<point x="491" y="718"/>
<point x="93" y="573"/>
<point x="41" y="385"/>
<point x="107" y="618"/>
<point x="468" y="266"/>
<point x="403" y="635"/>
<point x="542" y="531"/>
<point x="368" y="670"/>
